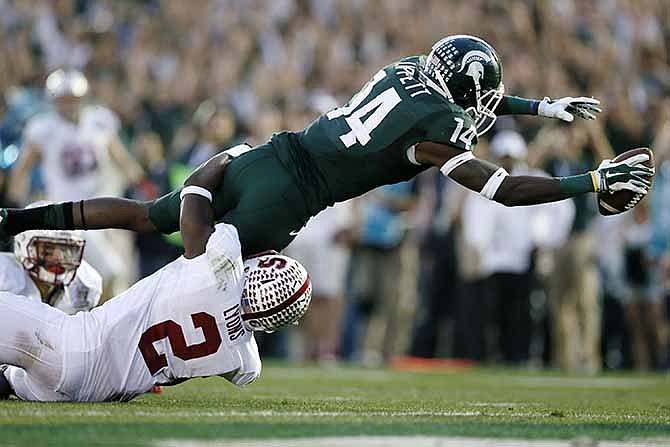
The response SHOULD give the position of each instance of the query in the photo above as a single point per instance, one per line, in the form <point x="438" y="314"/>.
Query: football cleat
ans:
<point x="5" y="387"/>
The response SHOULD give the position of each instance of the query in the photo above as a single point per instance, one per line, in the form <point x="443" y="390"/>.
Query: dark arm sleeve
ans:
<point x="515" y="105"/>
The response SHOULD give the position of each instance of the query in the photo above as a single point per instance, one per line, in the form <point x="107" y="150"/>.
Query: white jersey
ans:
<point x="74" y="155"/>
<point x="82" y="294"/>
<point x="183" y="321"/>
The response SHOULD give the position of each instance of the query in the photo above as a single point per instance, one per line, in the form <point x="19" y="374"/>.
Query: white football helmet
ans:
<point x="50" y="256"/>
<point x="276" y="294"/>
<point x="66" y="83"/>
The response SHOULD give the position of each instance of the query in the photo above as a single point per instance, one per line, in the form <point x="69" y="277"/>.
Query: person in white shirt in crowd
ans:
<point x="504" y="240"/>
<point x="77" y="147"/>
<point x="321" y="248"/>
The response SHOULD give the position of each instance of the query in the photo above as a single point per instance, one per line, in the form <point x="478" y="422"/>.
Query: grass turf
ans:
<point x="294" y="401"/>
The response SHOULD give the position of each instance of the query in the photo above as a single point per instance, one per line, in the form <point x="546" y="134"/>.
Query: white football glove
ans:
<point x="628" y="175"/>
<point x="567" y="108"/>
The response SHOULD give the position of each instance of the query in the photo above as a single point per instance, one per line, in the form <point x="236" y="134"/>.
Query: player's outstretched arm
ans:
<point x="496" y="184"/>
<point x="93" y="214"/>
<point x="564" y="108"/>
<point x="196" y="219"/>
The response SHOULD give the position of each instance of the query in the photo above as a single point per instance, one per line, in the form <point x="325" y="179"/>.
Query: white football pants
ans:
<point x="31" y="339"/>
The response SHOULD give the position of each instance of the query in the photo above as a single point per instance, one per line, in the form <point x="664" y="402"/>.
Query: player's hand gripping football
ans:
<point x="209" y="174"/>
<point x="629" y="175"/>
<point x="567" y="108"/>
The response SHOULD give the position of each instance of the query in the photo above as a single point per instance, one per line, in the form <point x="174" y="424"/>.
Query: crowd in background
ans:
<point x="422" y="268"/>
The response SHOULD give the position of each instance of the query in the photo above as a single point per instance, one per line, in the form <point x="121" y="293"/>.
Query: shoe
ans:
<point x="5" y="387"/>
<point x="4" y="236"/>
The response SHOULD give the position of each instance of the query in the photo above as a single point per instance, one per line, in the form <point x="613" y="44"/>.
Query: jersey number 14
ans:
<point x="362" y="120"/>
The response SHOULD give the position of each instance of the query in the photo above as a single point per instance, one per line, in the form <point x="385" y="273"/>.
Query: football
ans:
<point x="610" y="204"/>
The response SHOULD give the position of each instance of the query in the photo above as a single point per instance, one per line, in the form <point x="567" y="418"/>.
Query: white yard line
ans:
<point x="401" y="441"/>
<point x="584" y="382"/>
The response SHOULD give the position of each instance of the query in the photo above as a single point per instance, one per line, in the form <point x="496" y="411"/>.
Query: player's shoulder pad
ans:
<point x="101" y="116"/>
<point x="13" y="276"/>
<point x="89" y="276"/>
<point x="449" y="124"/>
<point x="224" y="241"/>
<point x="39" y="126"/>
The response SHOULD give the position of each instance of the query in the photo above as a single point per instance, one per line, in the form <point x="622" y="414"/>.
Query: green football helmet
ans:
<point x="467" y="71"/>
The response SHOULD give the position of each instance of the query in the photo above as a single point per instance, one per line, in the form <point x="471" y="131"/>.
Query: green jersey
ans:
<point x="369" y="141"/>
<point x="269" y="192"/>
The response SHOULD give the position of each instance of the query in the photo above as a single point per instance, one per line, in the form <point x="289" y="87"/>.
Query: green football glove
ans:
<point x="567" y="108"/>
<point x="628" y="175"/>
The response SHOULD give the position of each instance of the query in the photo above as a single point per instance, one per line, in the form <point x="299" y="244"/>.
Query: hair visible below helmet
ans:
<point x="276" y="294"/>
<point x="66" y="83"/>
<point x="467" y="71"/>
<point x="50" y="256"/>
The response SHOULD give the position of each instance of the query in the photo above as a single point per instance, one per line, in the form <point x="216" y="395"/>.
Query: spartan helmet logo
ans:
<point x="473" y="60"/>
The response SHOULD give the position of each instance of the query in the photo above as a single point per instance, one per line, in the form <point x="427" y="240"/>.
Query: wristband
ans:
<point x="577" y="184"/>
<point x="197" y="190"/>
<point x="493" y="183"/>
<point x="594" y="178"/>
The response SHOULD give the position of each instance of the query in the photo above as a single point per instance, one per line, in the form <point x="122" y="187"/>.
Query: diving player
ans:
<point x="417" y="113"/>
<point x="192" y="318"/>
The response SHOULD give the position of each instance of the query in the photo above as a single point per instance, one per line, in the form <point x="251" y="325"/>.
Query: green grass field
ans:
<point x="305" y="401"/>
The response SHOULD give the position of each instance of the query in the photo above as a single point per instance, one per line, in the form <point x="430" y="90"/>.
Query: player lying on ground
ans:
<point x="414" y="114"/>
<point x="192" y="318"/>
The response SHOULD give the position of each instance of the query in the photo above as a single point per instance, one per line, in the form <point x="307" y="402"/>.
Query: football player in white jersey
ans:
<point x="47" y="266"/>
<point x="192" y="318"/>
<point x="74" y="144"/>
<point x="80" y="155"/>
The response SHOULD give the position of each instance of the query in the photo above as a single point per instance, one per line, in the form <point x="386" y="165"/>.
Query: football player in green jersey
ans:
<point x="417" y="113"/>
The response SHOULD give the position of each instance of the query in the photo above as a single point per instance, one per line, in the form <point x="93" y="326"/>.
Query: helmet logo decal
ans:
<point x="474" y="56"/>
<point x="476" y="71"/>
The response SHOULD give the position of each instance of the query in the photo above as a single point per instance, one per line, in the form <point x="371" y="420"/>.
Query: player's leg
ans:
<point x="26" y="387"/>
<point x="269" y="210"/>
<point x="31" y="338"/>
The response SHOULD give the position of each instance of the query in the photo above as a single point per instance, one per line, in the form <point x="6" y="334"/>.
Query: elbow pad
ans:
<point x="455" y="162"/>
<point x="493" y="183"/>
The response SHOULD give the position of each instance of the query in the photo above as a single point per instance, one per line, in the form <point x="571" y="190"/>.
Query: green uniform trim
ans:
<point x="515" y="105"/>
<point x="576" y="184"/>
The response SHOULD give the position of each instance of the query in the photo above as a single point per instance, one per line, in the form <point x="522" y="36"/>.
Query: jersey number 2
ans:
<point x="375" y="110"/>
<point x="175" y="334"/>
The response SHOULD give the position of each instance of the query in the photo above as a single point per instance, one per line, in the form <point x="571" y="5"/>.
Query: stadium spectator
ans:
<point x="505" y="240"/>
<point x="321" y="248"/>
<point x="382" y="296"/>
<point x="643" y="303"/>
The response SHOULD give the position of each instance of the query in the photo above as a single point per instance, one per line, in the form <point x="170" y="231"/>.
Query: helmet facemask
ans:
<point x="52" y="259"/>
<point x="276" y="294"/>
<point x="483" y="112"/>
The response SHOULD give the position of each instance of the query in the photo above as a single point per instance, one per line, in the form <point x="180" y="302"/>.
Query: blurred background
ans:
<point x="422" y="269"/>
